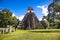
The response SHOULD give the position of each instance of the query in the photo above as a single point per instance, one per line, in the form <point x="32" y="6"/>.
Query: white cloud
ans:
<point x="44" y="9"/>
<point x="13" y="15"/>
<point x="40" y="19"/>
<point x="20" y="17"/>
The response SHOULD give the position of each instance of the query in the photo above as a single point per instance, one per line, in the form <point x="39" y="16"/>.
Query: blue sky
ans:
<point x="19" y="7"/>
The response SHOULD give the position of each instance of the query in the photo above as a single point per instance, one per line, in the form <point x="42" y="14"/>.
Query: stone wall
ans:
<point x="6" y="30"/>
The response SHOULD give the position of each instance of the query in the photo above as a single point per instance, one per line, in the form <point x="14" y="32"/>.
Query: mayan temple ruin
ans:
<point x="30" y="21"/>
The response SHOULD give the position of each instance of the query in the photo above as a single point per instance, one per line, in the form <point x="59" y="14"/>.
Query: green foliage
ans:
<point x="58" y="25"/>
<point x="53" y="17"/>
<point x="6" y="18"/>
<point x="57" y="8"/>
<point x="44" y="24"/>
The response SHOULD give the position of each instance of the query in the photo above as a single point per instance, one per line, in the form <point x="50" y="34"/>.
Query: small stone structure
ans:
<point x="7" y="30"/>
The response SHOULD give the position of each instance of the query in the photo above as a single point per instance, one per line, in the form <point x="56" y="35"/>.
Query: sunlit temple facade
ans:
<point x="30" y="21"/>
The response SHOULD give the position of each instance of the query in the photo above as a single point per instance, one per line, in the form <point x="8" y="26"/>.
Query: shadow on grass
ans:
<point x="45" y="31"/>
<point x="58" y="38"/>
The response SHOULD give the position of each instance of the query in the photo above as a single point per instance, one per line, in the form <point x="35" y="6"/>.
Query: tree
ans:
<point x="14" y="22"/>
<point x="53" y="16"/>
<point x="1" y="19"/>
<point x="7" y="19"/>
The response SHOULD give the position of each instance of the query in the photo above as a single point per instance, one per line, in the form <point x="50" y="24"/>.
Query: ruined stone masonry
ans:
<point x="30" y="21"/>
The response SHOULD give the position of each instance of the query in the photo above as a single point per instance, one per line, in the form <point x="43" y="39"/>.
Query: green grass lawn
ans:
<point x="43" y="34"/>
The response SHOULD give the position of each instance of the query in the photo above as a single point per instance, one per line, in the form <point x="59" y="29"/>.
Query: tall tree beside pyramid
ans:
<point x="54" y="14"/>
<point x="7" y="19"/>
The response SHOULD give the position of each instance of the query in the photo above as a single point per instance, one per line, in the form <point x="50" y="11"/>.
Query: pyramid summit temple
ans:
<point x="30" y="21"/>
